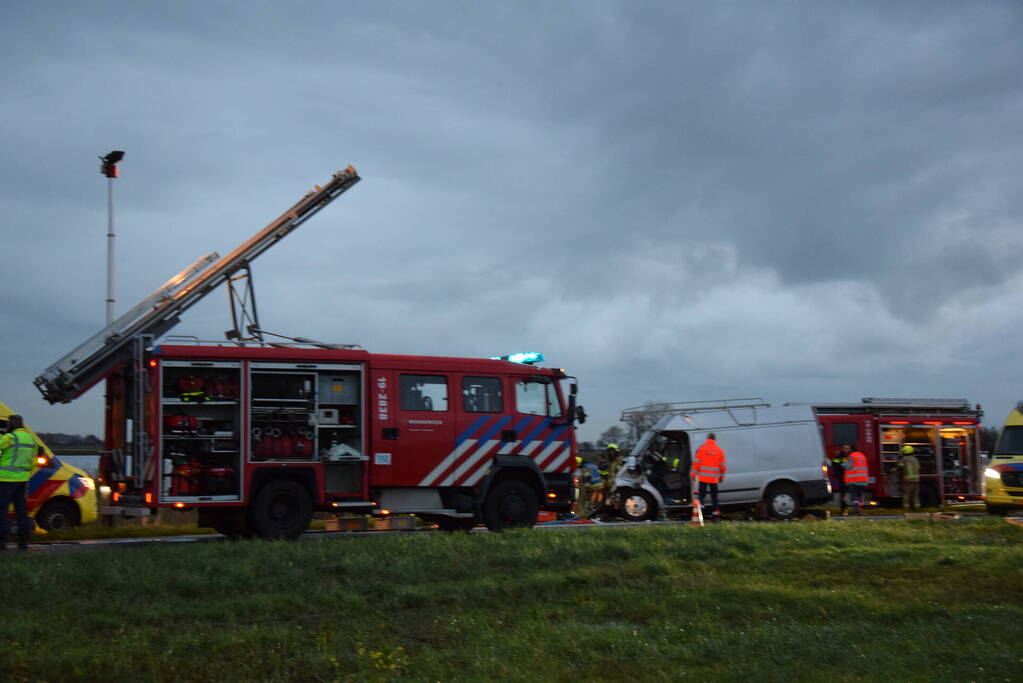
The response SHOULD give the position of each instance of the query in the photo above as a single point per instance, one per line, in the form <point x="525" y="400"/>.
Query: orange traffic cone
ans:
<point x="697" y="519"/>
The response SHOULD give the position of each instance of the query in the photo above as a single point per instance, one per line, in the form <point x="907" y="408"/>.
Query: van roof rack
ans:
<point x="656" y="408"/>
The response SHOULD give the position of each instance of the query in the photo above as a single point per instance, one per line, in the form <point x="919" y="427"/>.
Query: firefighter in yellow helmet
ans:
<point x="17" y="451"/>
<point x="909" y="466"/>
<point x="615" y="459"/>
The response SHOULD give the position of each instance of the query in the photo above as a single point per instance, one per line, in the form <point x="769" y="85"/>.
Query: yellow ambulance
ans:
<point x="59" y="495"/>
<point x="1003" y="478"/>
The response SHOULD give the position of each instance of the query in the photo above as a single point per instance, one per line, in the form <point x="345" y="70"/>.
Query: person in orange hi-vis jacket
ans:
<point x="709" y="470"/>
<point x="856" y="477"/>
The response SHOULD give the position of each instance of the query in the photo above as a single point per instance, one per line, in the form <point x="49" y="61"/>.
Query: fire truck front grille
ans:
<point x="1014" y="479"/>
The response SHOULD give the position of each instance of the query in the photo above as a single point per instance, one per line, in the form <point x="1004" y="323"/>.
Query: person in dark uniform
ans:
<point x="836" y="474"/>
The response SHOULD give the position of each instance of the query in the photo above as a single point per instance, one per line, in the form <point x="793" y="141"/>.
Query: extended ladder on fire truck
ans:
<point x="154" y="316"/>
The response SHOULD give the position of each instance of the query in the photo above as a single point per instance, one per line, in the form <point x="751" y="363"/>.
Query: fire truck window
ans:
<point x="424" y="393"/>
<point x="844" y="433"/>
<point x="482" y="394"/>
<point x="536" y="398"/>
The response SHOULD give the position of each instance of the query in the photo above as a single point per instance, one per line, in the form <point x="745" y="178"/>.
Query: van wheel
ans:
<point x="56" y="516"/>
<point x="510" y="504"/>
<point x="282" y="509"/>
<point x="638" y="506"/>
<point x="782" y="501"/>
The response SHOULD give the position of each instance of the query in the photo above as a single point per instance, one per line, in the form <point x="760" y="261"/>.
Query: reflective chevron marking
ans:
<point x="448" y="461"/>
<point x="469" y="462"/>
<point x="559" y="462"/>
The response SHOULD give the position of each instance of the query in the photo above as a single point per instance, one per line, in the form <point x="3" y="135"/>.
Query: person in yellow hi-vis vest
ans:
<point x="910" y="468"/>
<point x="17" y="451"/>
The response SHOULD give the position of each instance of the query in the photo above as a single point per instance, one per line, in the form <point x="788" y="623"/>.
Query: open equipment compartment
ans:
<point x="200" y="431"/>
<point x="303" y="412"/>
<point x="339" y="429"/>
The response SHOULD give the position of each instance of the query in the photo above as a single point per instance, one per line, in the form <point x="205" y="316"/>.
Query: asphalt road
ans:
<point x="64" y="546"/>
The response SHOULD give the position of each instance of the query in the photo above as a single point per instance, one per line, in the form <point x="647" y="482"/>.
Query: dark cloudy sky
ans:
<point x="804" y="201"/>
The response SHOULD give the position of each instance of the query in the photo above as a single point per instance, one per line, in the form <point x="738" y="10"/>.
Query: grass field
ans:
<point x="905" y="600"/>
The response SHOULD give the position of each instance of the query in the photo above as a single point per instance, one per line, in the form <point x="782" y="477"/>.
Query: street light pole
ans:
<point x="109" y="169"/>
<point x="110" y="250"/>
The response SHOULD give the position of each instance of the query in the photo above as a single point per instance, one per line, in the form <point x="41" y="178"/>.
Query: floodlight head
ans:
<point x="110" y="161"/>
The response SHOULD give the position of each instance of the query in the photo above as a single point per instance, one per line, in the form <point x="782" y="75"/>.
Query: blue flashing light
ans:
<point x="526" y="357"/>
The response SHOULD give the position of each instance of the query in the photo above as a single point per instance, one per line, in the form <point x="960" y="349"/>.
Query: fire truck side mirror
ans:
<point x="575" y="413"/>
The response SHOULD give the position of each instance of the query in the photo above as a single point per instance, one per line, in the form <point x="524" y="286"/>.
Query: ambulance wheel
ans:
<point x="996" y="510"/>
<point x="510" y="504"/>
<point x="638" y="506"/>
<point x="782" y="501"/>
<point x="57" y="515"/>
<point x="282" y="509"/>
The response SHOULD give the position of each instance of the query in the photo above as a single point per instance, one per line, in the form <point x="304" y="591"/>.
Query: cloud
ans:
<point x="798" y="200"/>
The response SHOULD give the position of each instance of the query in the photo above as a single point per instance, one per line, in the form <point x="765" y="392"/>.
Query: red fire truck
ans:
<point x="944" y="434"/>
<point x="258" y="434"/>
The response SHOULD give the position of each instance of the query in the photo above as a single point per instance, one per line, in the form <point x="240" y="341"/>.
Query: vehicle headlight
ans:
<point x="89" y="483"/>
<point x="992" y="473"/>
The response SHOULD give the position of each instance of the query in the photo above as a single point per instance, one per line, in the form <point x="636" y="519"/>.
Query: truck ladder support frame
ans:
<point x="244" y="314"/>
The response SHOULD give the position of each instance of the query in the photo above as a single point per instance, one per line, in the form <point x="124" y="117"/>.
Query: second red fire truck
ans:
<point x="944" y="435"/>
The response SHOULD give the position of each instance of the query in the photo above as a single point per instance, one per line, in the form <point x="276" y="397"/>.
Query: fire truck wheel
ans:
<point x="782" y="501"/>
<point x="510" y="504"/>
<point x="56" y="515"/>
<point x="282" y="509"/>
<point x="638" y="506"/>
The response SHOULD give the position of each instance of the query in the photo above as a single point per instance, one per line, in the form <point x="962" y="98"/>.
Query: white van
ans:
<point x="772" y="454"/>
